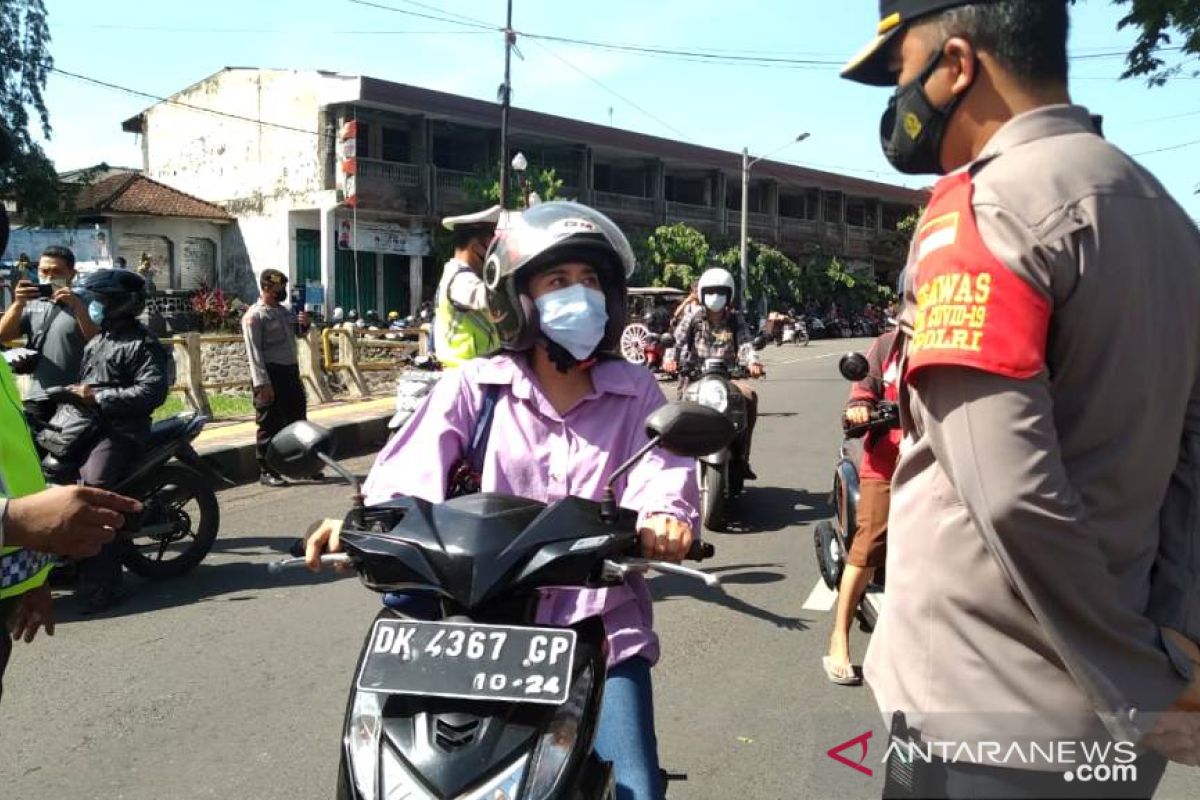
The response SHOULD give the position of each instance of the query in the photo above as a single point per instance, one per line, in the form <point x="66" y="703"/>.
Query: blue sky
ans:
<point x="161" y="48"/>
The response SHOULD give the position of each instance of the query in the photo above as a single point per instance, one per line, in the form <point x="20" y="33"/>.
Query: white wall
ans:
<point x="176" y="230"/>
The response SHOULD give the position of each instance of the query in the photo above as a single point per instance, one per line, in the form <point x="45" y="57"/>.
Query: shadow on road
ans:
<point x="667" y="587"/>
<point x="769" y="509"/>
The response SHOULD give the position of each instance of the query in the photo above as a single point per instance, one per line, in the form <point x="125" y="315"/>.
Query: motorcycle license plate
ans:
<point x="467" y="661"/>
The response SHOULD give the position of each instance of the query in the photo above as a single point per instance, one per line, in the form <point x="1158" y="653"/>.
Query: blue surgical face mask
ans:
<point x="96" y="312"/>
<point x="574" y="317"/>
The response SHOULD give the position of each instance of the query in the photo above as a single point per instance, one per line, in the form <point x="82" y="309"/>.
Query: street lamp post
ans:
<point x="747" y="163"/>
<point x="519" y="165"/>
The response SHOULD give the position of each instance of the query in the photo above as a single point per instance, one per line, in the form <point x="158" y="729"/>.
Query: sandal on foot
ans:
<point x="841" y="674"/>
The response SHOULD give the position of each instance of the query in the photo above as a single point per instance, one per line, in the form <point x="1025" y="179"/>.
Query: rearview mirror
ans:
<point x="297" y="450"/>
<point x="689" y="429"/>
<point x="854" y="367"/>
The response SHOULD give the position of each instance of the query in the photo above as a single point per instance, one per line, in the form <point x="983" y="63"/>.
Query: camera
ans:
<point x="45" y="290"/>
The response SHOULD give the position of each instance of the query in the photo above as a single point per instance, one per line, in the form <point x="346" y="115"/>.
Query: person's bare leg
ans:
<point x="850" y="591"/>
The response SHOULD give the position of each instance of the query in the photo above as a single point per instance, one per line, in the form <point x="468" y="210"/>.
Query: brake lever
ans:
<point x="327" y="560"/>
<point x="621" y="569"/>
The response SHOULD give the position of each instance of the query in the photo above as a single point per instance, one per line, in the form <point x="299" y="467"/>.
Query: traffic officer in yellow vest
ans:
<point x="35" y="521"/>
<point x="462" y="327"/>
<point x="1051" y="369"/>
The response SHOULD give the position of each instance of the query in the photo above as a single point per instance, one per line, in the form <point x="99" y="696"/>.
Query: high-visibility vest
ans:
<point x="20" y="474"/>
<point x="460" y="335"/>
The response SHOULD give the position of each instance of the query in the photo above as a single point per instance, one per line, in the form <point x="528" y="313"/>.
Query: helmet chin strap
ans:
<point x="562" y="360"/>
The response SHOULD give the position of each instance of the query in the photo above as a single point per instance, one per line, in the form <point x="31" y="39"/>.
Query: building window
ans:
<point x="362" y="140"/>
<point x="397" y="144"/>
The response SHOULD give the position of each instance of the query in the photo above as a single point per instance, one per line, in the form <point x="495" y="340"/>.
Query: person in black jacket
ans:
<point x="125" y="376"/>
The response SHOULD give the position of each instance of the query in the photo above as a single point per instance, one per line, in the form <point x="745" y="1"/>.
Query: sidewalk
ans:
<point x="358" y="426"/>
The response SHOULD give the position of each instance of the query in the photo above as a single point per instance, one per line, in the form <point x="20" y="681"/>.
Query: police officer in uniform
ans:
<point x="1051" y="368"/>
<point x="462" y="326"/>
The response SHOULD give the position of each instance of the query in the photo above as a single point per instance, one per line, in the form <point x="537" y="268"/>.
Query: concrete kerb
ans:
<point x="363" y="434"/>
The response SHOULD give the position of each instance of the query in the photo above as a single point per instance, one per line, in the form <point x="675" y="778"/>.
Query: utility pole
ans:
<point x="745" y="243"/>
<point x="506" y="95"/>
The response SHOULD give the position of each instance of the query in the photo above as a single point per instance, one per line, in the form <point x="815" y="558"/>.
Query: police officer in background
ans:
<point x="462" y="327"/>
<point x="270" y="329"/>
<point x="1040" y="436"/>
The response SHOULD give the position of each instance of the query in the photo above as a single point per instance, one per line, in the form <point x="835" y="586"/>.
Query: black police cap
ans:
<point x="870" y="65"/>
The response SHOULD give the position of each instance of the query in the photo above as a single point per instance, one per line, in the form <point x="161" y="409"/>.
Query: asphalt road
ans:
<point x="231" y="683"/>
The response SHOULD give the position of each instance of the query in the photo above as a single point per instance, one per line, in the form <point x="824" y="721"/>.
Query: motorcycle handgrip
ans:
<point x="700" y="551"/>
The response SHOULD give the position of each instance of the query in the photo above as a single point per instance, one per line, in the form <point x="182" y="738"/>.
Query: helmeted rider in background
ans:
<point x="567" y="410"/>
<point x="126" y="374"/>
<point x="714" y="329"/>
<point x="463" y="328"/>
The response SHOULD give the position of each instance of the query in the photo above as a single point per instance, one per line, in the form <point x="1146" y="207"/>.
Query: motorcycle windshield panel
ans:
<point x="478" y="547"/>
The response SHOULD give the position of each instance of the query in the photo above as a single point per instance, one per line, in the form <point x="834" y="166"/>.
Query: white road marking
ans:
<point x="808" y="358"/>
<point x="821" y="598"/>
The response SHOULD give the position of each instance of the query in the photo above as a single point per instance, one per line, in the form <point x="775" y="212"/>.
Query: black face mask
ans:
<point x="912" y="128"/>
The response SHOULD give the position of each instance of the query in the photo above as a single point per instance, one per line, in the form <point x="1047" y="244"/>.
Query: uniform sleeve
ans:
<point x="418" y="459"/>
<point x="467" y="291"/>
<point x="661" y="483"/>
<point x="987" y="306"/>
<point x="252" y="332"/>
<point x="148" y="388"/>
<point x="991" y="426"/>
<point x="995" y="437"/>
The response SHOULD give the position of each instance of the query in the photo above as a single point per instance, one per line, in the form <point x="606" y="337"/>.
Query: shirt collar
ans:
<point x="608" y="377"/>
<point x="1040" y="123"/>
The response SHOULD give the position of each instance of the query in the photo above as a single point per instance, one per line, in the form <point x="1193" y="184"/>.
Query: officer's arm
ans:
<point x="252" y="327"/>
<point x="467" y="291"/>
<point x="995" y="437"/>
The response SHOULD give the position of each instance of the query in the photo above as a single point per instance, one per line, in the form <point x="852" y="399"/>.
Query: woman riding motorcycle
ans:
<point x="556" y="282"/>
<point x="714" y="329"/>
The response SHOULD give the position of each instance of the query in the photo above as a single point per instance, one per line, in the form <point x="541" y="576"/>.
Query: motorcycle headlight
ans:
<point x="362" y="740"/>
<point x="714" y="395"/>
<point x="559" y="740"/>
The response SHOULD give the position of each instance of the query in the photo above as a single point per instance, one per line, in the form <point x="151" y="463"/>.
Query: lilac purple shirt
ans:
<point x="535" y="452"/>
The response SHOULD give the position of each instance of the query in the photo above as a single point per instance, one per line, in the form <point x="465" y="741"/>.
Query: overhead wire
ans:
<point x="1168" y="149"/>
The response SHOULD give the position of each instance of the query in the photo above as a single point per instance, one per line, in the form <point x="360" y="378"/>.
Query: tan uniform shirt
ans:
<point x="270" y="335"/>
<point x="1024" y="513"/>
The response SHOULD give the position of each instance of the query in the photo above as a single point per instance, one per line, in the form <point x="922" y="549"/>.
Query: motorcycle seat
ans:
<point x="167" y="429"/>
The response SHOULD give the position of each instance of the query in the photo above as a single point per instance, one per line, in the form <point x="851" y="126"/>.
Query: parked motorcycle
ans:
<point x="816" y="327"/>
<point x="480" y="702"/>
<point x="180" y="515"/>
<point x="832" y="538"/>
<point x="412" y="387"/>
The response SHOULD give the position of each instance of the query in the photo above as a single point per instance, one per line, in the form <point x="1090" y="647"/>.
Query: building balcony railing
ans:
<point x="686" y="212"/>
<point x="755" y="222"/>
<point x="406" y="176"/>
<point x="611" y="201"/>
<point x="798" y="228"/>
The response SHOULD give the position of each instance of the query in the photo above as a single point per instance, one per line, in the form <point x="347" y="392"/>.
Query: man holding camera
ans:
<point x="56" y="325"/>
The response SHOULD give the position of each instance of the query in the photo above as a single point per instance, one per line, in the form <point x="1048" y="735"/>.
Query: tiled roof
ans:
<point x="131" y="193"/>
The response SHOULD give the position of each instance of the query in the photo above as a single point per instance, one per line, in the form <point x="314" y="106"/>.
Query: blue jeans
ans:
<point x="625" y="735"/>
<point x="626" y="732"/>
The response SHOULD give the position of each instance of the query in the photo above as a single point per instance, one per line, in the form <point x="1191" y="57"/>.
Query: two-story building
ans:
<point x="339" y="180"/>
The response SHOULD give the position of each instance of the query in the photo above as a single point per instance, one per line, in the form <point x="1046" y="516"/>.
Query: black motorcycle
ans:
<point x="832" y="538"/>
<point x="180" y="516"/>
<point x="479" y="702"/>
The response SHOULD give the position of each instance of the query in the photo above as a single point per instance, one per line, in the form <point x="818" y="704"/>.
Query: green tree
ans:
<point x="1156" y="22"/>
<point x="677" y="254"/>
<point x="25" y="63"/>
<point x="483" y="187"/>
<point x="772" y="274"/>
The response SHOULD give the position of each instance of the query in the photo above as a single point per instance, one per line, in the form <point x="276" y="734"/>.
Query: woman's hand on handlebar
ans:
<point x="325" y="538"/>
<point x="665" y="538"/>
<point x="858" y="415"/>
